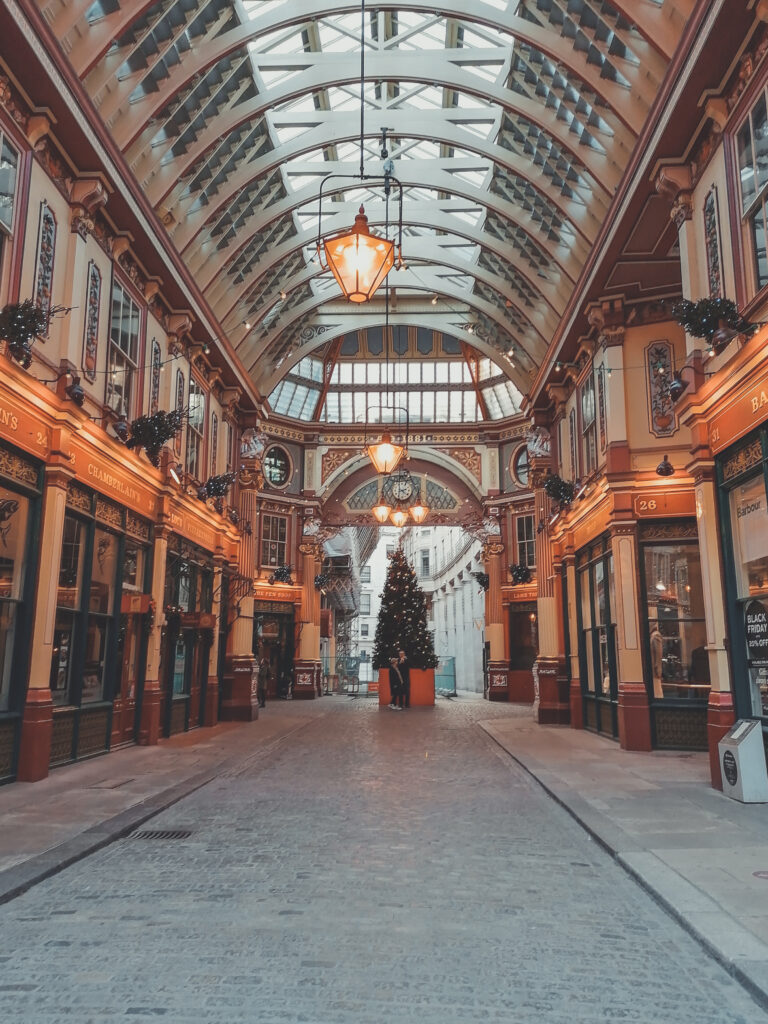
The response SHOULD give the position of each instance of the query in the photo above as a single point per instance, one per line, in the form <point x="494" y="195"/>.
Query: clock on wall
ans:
<point x="402" y="486"/>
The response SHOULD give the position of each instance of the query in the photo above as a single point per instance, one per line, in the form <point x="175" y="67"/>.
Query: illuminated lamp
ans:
<point x="358" y="259"/>
<point x="381" y="512"/>
<point x="384" y="454"/>
<point x="419" y="512"/>
<point x="399" y="517"/>
<point x="665" y="467"/>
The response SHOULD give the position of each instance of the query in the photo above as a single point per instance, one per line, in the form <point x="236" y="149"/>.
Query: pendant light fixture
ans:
<point x="359" y="259"/>
<point x="419" y="510"/>
<point x="386" y="454"/>
<point x="381" y="509"/>
<point x="398" y="517"/>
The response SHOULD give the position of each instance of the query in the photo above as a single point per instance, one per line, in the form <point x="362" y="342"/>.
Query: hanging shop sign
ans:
<point x="102" y="475"/>
<point x="652" y="504"/>
<point x="756" y="630"/>
<point x="745" y="410"/>
<point x="22" y="428"/>
<point x="285" y="595"/>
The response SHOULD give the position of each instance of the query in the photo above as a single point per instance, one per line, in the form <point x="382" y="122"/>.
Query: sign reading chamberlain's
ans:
<point x="756" y="629"/>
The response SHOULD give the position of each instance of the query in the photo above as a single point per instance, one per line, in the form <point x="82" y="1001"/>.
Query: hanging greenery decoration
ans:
<point x="702" y="319"/>
<point x="560" y="491"/>
<point x="21" y="323"/>
<point x="322" y="580"/>
<point x="282" y="574"/>
<point x="483" y="579"/>
<point x="216" y="486"/>
<point x="520" y="573"/>
<point x="152" y="432"/>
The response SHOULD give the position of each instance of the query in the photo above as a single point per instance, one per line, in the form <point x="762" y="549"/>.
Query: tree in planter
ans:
<point x="402" y="622"/>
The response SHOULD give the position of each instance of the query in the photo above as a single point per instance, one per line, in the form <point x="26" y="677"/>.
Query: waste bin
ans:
<point x="742" y="763"/>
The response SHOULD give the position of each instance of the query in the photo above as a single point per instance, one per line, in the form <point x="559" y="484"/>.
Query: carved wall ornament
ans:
<point x="334" y="458"/>
<point x="712" y="244"/>
<point x="91" y="327"/>
<point x="46" y="246"/>
<point x="154" y="387"/>
<point x="660" y="368"/>
<point x="538" y="441"/>
<point x="468" y="458"/>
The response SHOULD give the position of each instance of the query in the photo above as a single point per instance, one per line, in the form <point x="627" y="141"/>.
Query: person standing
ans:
<point x="405" y="674"/>
<point x="264" y="674"/>
<point x="396" y="688"/>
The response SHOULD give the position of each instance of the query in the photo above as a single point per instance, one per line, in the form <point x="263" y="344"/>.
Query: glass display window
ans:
<point x="673" y="597"/>
<point x="14" y="523"/>
<point x="597" y="636"/>
<point x="749" y="523"/>
<point x="68" y="602"/>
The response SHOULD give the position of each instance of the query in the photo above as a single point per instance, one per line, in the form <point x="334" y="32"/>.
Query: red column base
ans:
<point x="211" y="709"/>
<point x="577" y="705"/>
<point x="721" y="715"/>
<point x="36" y="736"/>
<point x="149" y="726"/>
<point x="305" y="675"/>
<point x="634" y="717"/>
<point x="554" y="706"/>
<point x="498" y="681"/>
<point x="520" y="687"/>
<point x="240" y="702"/>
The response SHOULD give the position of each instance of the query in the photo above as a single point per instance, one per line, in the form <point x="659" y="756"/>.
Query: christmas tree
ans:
<point x="402" y="622"/>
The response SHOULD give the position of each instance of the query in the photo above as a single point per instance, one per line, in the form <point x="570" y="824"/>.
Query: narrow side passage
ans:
<point x="378" y="867"/>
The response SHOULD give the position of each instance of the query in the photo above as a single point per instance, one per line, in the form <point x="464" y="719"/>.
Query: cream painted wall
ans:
<point x="637" y="390"/>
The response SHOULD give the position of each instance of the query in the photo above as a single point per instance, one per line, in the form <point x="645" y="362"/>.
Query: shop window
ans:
<point x="676" y="632"/>
<point x="365" y="574"/>
<point x="195" y="429"/>
<point x="134" y="561"/>
<point x="365" y="604"/>
<point x="752" y="147"/>
<point x="526" y="541"/>
<point x="13" y="559"/>
<point x="68" y="601"/>
<point x="9" y="169"/>
<point x="588" y="424"/>
<point x="274" y="530"/>
<point x="597" y="637"/>
<point x="124" y="326"/>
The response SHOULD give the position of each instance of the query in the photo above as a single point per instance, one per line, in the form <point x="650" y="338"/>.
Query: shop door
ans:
<point x="597" y="641"/>
<point x="124" y="707"/>
<point x="178" y="682"/>
<point x="273" y="638"/>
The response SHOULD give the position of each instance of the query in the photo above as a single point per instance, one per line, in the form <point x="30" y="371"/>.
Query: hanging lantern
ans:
<point x="358" y="259"/>
<point x="399" y="517"/>
<point x="419" y="512"/>
<point x="381" y="512"/>
<point x="384" y="454"/>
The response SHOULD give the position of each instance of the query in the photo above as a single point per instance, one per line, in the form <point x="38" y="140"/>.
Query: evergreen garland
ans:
<point x="520" y="573"/>
<point x="558" y="490"/>
<point x="282" y="574"/>
<point x="402" y="621"/>
<point x="20" y="323"/>
<point x="152" y="432"/>
<point x="216" y="486"/>
<point x="483" y="579"/>
<point x="702" y="318"/>
<point x="322" y="579"/>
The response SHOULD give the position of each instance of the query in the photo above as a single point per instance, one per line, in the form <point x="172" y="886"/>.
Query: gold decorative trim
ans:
<point x="751" y="455"/>
<point x="108" y="512"/>
<point x="137" y="527"/>
<point x="17" y="468"/>
<point x="78" y="498"/>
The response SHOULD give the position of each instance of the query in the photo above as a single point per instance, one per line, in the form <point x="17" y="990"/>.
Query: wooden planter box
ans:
<point x="422" y="687"/>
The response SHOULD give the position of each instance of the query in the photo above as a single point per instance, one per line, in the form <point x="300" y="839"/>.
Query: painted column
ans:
<point x="308" y="668"/>
<point x="634" y="706"/>
<point x="211" y="710"/>
<point x="552" y="701"/>
<point x="721" y="710"/>
<point x="240" y="702"/>
<point x="498" y="665"/>
<point x="37" y="718"/>
<point x="149" y="720"/>
<point x="571" y="626"/>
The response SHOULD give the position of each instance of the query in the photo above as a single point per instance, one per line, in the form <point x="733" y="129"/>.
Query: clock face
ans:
<point x="402" y="487"/>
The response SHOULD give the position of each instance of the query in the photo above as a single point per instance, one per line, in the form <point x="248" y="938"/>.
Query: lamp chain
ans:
<point x="362" y="85"/>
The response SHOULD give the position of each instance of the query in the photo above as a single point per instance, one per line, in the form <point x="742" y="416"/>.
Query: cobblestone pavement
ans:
<point x="376" y="868"/>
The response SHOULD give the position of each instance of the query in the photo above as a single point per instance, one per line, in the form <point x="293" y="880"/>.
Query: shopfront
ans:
<point x="596" y="604"/>
<point x="523" y="650"/>
<point x="676" y="663"/>
<point x="20" y="503"/>
<point x="742" y="474"/>
<point x="274" y="639"/>
<point x="188" y="635"/>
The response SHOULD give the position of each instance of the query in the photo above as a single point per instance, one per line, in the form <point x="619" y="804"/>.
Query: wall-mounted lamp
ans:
<point x="176" y="472"/>
<point x="665" y="467"/>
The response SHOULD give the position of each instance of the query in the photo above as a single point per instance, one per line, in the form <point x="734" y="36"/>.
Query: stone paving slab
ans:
<point x="81" y="807"/>
<point x="372" y="868"/>
<point x="693" y="849"/>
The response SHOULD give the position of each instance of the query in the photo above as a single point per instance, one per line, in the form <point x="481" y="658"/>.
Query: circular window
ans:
<point x="277" y="467"/>
<point x="520" y="466"/>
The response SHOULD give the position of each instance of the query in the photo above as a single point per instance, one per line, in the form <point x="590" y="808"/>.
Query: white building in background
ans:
<point x="444" y="558"/>
<point x="373" y="574"/>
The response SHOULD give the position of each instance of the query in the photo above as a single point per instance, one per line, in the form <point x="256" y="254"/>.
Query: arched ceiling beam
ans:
<point x="158" y="173"/>
<point x="630" y="106"/>
<point x="424" y="215"/>
<point x="431" y="268"/>
<point x="580" y="215"/>
<point x="255" y="355"/>
<point x="331" y="325"/>
<point x="207" y="262"/>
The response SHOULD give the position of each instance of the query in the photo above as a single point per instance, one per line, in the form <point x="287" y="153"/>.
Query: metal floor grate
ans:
<point x="178" y="833"/>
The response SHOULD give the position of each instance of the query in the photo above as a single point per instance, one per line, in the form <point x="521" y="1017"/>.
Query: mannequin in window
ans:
<point x="657" y="654"/>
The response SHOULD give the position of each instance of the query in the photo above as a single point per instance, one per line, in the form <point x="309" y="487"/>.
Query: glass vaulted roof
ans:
<point x="509" y="123"/>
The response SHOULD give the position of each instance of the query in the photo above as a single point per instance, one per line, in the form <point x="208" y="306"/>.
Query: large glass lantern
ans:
<point x="358" y="259"/>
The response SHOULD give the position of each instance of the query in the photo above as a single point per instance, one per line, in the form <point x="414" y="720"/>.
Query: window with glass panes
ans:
<point x="195" y="429"/>
<point x="274" y="532"/>
<point x="363" y="629"/>
<point x="424" y="564"/>
<point x="365" y="574"/>
<point x="526" y="541"/>
<point x="752" y="147"/>
<point x="13" y="571"/>
<point x="365" y="604"/>
<point x="123" y="357"/>
<point x="589" y="423"/>
<point x="9" y="166"/>
<point x="68" y="602"/>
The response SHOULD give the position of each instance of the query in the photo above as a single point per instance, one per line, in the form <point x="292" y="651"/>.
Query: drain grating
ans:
<point x="177" y="833"/>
